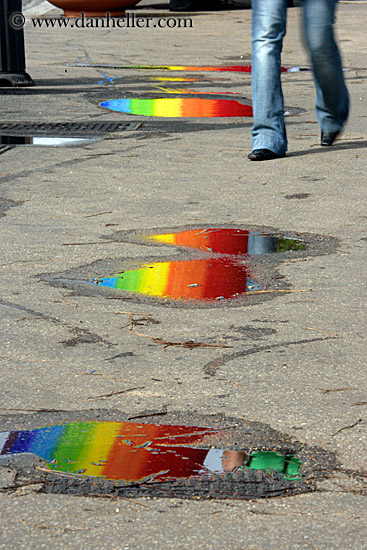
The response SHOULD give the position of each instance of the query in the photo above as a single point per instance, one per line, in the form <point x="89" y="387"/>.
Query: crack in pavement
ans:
<point x="63" y="164"/>
<point x="6" y="204"/>
<point x="211" y="367"/>
<point x="82" y="335"/>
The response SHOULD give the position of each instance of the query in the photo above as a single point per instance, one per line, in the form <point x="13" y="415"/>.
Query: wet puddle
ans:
<point x="187" y="68"/>
<point x="229" y="241"/>
<point x="225" y="277"/>
<point x="45" y="141"/>
<point x="191" y="68"/>
<point x="179" y="107"/>
<point x="141" y="453"/>
<point x="189" y="92"/>
<point x="176" y="79"/>
<point x="204" y="280"/>
<point x="203" y="266"/>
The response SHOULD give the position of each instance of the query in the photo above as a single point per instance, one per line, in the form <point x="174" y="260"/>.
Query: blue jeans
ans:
<point x="268" y="29"/>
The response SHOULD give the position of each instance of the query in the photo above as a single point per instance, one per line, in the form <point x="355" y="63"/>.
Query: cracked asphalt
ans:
<point x="296" y="362"/>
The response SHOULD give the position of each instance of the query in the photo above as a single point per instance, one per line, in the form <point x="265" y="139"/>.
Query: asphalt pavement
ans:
<point x="296" y="362"/>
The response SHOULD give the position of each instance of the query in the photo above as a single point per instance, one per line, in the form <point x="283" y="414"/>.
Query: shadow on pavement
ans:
<point x="337" y="147"/>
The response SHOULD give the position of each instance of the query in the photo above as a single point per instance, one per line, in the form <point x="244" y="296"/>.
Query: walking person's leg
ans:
<point x="268" y="29"/>
<point x="332" y="99"/>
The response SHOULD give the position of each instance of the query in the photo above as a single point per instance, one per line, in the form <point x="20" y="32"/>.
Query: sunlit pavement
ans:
<point x="284" y="368"/>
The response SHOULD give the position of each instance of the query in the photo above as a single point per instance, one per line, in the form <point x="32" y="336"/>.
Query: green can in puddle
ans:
<point x="289" y="465"/>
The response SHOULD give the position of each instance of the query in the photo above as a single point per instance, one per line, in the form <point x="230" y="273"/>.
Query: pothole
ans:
<point x="193" y="68"/>
<point x="179" y="79"/>
<point x="140" y="453"/>
<point x="204" y="280"/>
<point x="228" y="240"/>
<point x="220" y="278"/>
<point x="211" y="266"/>
<point x="177" y="107"/>
<point x="186" y="68"/>
<point x="222" y="459"/>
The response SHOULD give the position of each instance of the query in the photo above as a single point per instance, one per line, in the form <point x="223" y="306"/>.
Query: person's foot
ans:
<point x="264" y="154"/>
<point x="328" y="138"/>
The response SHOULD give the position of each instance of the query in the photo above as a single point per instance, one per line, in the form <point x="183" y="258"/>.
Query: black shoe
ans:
<point x="328" y="138"/>
<point x="264" y="154"/>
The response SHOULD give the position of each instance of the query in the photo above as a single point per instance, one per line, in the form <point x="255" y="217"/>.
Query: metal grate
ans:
<point x="66" y="129"/>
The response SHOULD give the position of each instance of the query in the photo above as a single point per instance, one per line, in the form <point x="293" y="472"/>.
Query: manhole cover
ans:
<point x="65" y="129"/>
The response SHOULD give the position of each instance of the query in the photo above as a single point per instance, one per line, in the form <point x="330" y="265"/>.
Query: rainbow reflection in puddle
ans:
<point x="228" y="241"/>
<point x="203" y="280"/>
<point x="188" y="92"/>
<point x="173" y="79"/>
<point x="187" y="68"/>
<point x="144" y="453"/>
<point x="179" y="107"/>
<point x="210" y="68"/>
<point x="209" y="279"/>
